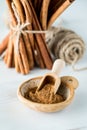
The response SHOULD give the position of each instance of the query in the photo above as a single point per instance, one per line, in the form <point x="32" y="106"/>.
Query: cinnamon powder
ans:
<point x="45" y="95"/>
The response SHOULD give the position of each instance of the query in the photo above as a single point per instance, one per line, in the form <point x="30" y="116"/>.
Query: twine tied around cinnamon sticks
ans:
<point x="19" y="29"/>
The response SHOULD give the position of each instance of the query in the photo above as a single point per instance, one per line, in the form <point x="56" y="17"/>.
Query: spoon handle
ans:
<point x="58" y="66"/>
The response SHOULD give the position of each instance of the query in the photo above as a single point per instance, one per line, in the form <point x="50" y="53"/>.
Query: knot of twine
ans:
<point x="67" y="45"/>
<point x="19" y="28"/>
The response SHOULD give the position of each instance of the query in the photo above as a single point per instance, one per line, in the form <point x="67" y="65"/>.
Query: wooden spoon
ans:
<point x="52" y="77"/>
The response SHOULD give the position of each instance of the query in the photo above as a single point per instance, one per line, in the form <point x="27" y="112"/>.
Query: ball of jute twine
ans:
<point x="65" y="44"/>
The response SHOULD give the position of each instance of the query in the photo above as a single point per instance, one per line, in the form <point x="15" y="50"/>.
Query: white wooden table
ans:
<point x="15" y="116"/>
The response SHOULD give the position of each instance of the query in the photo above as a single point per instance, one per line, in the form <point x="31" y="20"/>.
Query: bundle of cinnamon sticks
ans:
<point x="32" y="49"/>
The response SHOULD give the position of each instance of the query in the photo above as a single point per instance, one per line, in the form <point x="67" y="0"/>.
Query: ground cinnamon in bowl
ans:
<point x="45" y="95"/>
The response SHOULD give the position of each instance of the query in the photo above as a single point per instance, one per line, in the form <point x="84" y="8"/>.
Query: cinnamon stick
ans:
<point x="6" y="56"/>
<point x="10" y="51"/>
<point x="19" y="9"/>
<point x="19" y="65"/>
<point x="37" y="4"/>
<point x="16" y="63"/>
<point x="59" y="11"/>
<point x="23" y="56"/>
<point x="53" y="7"/>
<point x="4" y="44"/>
<point x="38" y="56"/>
<point x="11" y="12"/>
<point x="44" y="13"/>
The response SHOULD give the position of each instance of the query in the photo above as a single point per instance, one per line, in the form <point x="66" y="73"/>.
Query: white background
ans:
<point x="14" y="115"/>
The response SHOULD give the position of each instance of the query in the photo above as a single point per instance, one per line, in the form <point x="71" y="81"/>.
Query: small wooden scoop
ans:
<point x="52" y="77"/>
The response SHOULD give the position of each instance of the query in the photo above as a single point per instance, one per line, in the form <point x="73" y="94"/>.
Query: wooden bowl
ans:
<point x="70" y="83"/>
